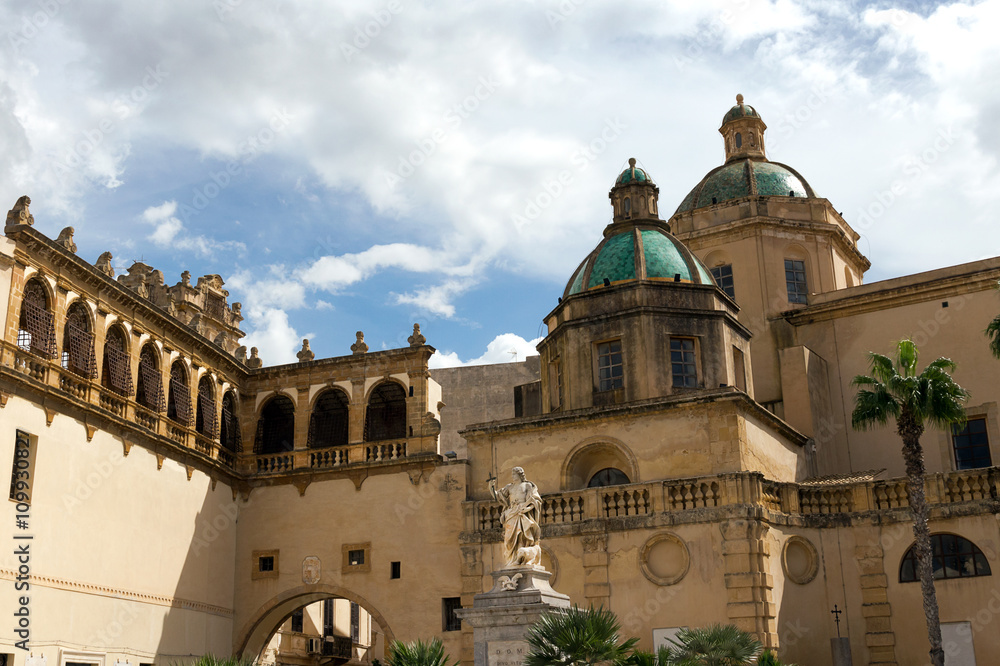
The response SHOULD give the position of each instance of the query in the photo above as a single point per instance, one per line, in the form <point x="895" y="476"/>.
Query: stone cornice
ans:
<point x="737" y="398"/>
<point x="32" y="244"/>
<point x="879" y="296"/>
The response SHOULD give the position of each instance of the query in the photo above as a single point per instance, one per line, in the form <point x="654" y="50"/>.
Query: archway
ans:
<point x="255" y="634"/>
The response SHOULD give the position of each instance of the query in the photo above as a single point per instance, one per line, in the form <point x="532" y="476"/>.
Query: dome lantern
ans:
<point x="743" y="132"/>
<point x="634" y="196"/>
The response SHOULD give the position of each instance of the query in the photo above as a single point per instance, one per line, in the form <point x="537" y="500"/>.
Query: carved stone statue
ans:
<point x="104" y="264"/>
<point x="360" y="347"/>
<point x="254" y="360"/>
<point x="66" y="239"/>
<point x="522" y="511"/>
<point x="20" y="214"/>
<point x="305" y="354"/>
<point x="416" y="339"/>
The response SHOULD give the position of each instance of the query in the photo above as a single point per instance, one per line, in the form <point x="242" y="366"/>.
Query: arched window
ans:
<point x="179" y="396"/>
<point x="36" y="331"/>
<point x="117" y="372"/>
<point x="609" y="476"/>
<point x="954" y="557"/>
<point x="204" y="421"/>
<point x="229" y="429"/>
<point x="385" y="417"/>
<point x="276" y="426"/>
<point x="739" y="140"/>
<point x="627" y="207"/>
<point x="149" y="387"/>
<point x="328" y="423"/>
<point x="78" y="342"/>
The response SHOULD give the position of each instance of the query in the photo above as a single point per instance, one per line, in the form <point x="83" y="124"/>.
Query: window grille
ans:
<point x="276" y="427"/>
<point x="229" y="435"/>
<point x="36" y="328"/>
<point x="953" y="557"/>
<point x="205" y="418"/>
<point x="215" y="306"/>
<point x="724" y="278"/>
<point x="385" y="417"/>
<point x="79" y="354"/>
<point x="329" y="421"/>
<point x="795" y="281"/>
<point x="355" y="623"/>
<point x="328" y="617"/>
<point x="609" y="476"/>
<point x="149" y="392"/>
<point x="117" y="364"/>
<point x="179" y="400"/>
<point x="450" y="620"/>
<point x="682" y="363"/>
<point x="610" y="371"/>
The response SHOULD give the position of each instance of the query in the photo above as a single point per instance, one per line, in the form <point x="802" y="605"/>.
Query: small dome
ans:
<point x="743" y="179"/>
<point x="741" y="110"/>
<point x="638" y="253"/>
<point x="633" y="174"/>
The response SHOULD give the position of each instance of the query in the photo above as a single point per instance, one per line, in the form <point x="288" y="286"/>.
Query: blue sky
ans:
<point x="368" y="165"/>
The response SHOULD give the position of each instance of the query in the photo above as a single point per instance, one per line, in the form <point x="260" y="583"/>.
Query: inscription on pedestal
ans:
<point x="506" y="653"/>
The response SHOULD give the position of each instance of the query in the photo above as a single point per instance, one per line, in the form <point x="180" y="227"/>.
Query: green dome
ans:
<point x="633" y="174"/>
<point x="638" y="254"/>
<point x="740" y="111"/>
<point x="743" y="179"/>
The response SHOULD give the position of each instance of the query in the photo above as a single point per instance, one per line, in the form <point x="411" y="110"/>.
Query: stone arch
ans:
<point x="205" y="422"/>
<point x="329" y="420"/>
<point x="230" y="436"/>
<point x="385" y="412"/>
<point x="179" y="393"/>
<point x="593" y="455"/>
<point x="116" y="367"/>
<point x="36" y="331"/>
<point x="149" y="379"/>
<point x="275" y="426"/>
<point x="253" y="636"/>
<point x="78" y="340"/>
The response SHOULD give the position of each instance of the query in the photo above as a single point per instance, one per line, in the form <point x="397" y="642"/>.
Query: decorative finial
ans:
<point x="739" y="99"/>
<point x="360" y="347"/>
<point x="104" y="264"/>
<point x="66" y="239"/>
<point x="254" y="360"/>
<point x="20" y="214"/>
<point x="186" y="278"/>
<point x="631" y="162"/>
<point x="305" y="354"/>
<point x="416" y="340"/>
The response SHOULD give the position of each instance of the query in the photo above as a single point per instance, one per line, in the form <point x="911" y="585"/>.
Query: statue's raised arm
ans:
<point x="521" y="516"/>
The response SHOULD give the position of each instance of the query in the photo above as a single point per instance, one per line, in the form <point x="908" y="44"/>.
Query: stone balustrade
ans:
<point x="362" y="453"/>
<point x="50" y="374"/>
<point x="748" y="489"/>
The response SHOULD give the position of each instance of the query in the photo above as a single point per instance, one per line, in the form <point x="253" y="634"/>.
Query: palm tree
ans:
<point x="714" y="645"/>
<point x="895" y="390"/>
<point x="575" y="637"/>
<point x="417" y="653"/>
<point x="993" y="333"/>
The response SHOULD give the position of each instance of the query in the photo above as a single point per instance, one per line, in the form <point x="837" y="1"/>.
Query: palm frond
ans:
<point x="577" y="636"/>
<point x="993" y="333"/>
<point x="873" y="408"/>
<point x="417" y="653"/>
<point x="714" y="644"/>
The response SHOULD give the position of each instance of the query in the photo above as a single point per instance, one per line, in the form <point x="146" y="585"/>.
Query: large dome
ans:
<point x="743" y="179"/>
<point x="640" y="252"/>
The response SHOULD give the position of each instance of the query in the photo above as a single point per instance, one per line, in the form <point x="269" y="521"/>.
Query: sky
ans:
<point x="368" y="165"/>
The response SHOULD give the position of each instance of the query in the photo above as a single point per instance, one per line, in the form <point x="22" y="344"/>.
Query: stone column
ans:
<point x="596" y="588"/>
<point x="501" y="617"/>
<point x="879" y="636"/>
<point x="750" y="603"/>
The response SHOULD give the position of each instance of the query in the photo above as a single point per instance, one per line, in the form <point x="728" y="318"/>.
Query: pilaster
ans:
<point x="596" y="588"/>
<point x="875" y="608"/>
<point x="750" y="602"/>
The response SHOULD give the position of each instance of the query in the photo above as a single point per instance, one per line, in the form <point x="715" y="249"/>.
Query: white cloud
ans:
<point x="335" y="272"/>
<point x="505" y="348"/>
<point x="436" y="300"/>
<point x="168" y="232"/>
<point x="273" y="336"/>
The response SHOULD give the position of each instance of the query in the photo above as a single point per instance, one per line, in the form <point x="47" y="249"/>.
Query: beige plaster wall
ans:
<point x="125" y="554"/>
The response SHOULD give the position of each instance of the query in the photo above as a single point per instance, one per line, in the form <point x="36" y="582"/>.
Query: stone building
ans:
<point x="686" y="422"/>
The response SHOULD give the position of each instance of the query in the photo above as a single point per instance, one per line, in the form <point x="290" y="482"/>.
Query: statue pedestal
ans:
<point x="500" y="618"/>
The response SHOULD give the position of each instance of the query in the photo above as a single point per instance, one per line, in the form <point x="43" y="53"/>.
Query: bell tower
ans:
<point x="743" y="132"/>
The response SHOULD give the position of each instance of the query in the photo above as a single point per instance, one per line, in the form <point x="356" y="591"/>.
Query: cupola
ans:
<point x="634" y="196"/>
<point x="743" y="132"/>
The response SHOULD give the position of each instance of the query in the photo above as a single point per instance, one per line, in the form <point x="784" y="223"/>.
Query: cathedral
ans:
<point x="686" y="422"/>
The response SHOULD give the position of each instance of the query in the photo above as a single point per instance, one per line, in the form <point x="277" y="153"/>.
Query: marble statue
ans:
<point x="522" y="512"/>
